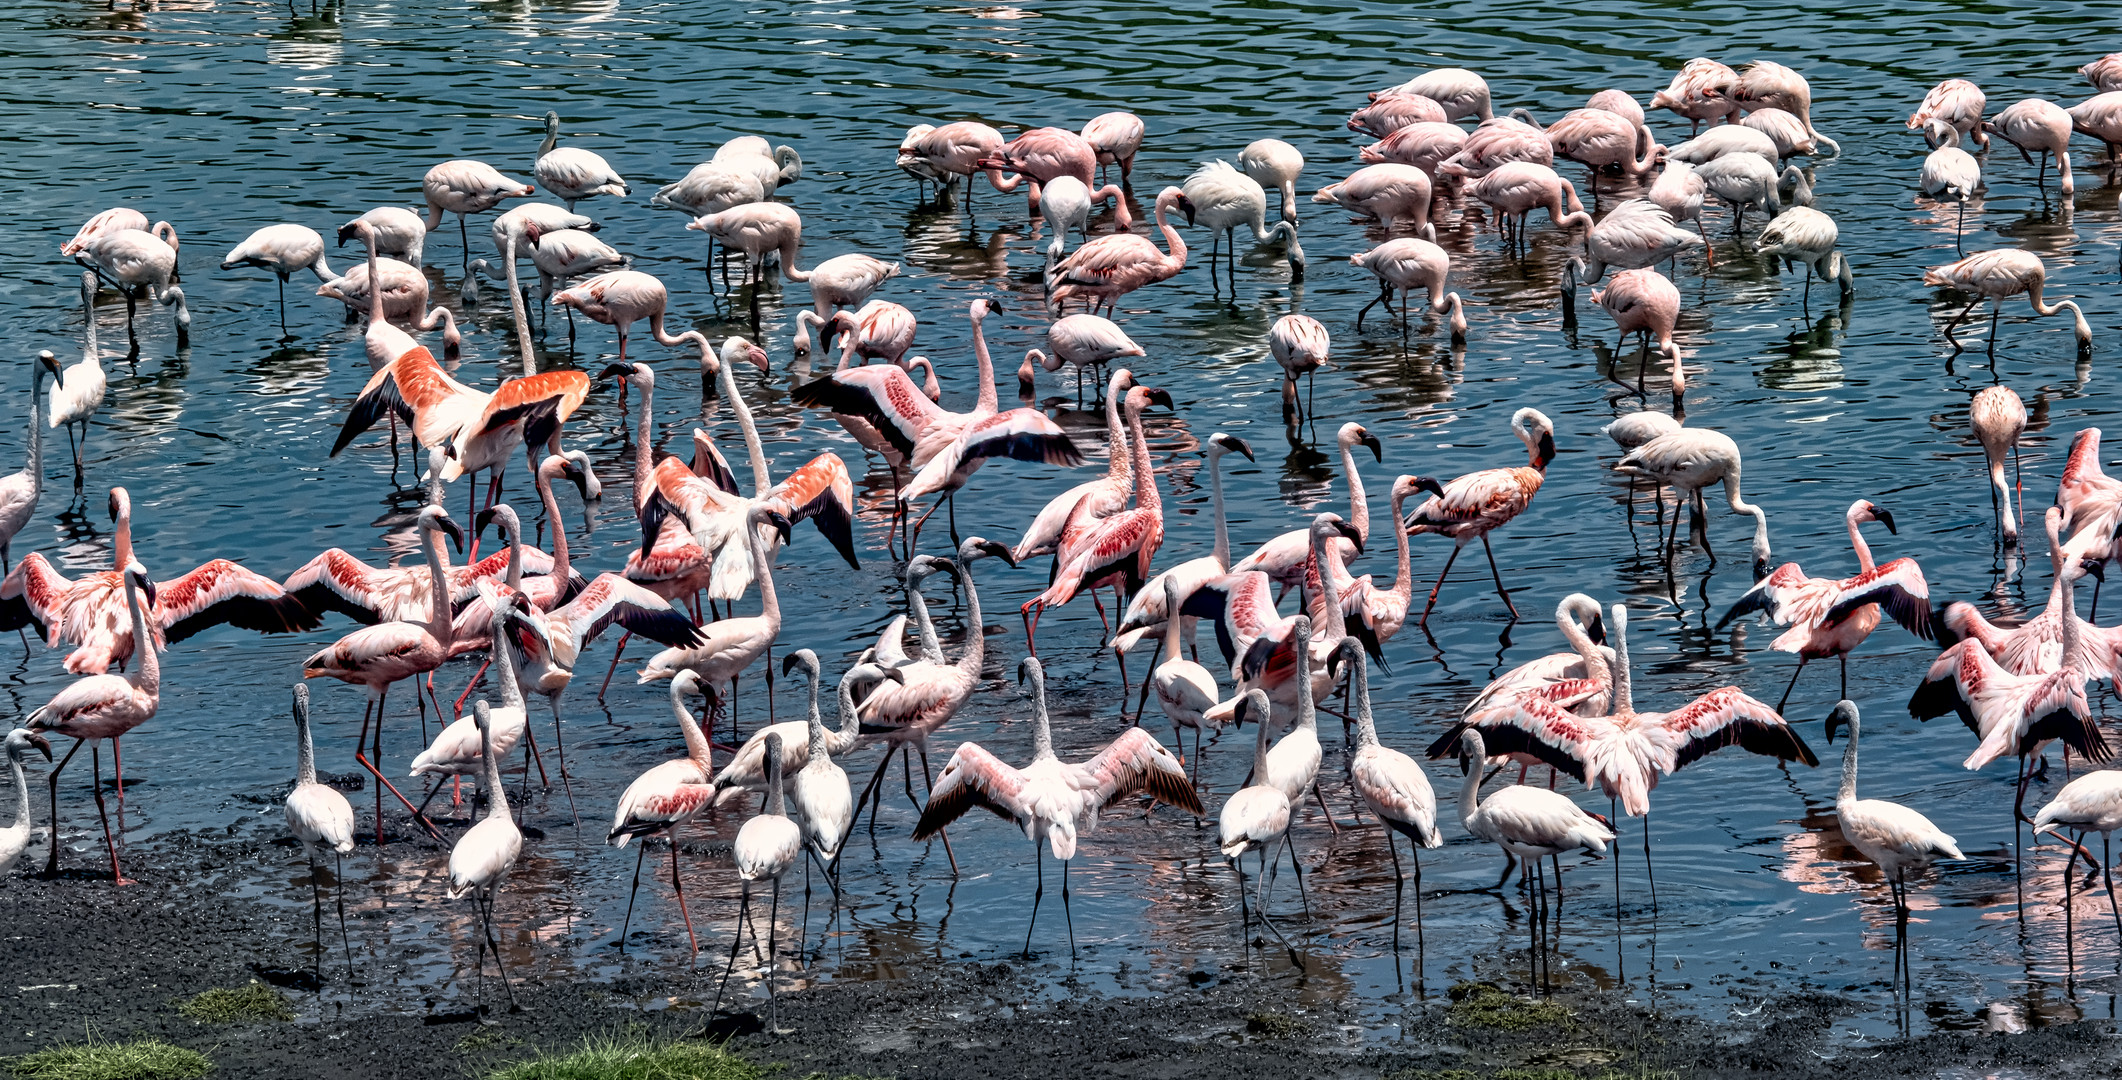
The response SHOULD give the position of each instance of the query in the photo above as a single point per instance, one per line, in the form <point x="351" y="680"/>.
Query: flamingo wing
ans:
<point x="225" y="592"/>
<point x="1240" y="605"/>
<point x="1134" y="762"/>
<point x="1897" y="587"/>
<point x="973" y="778"/>
<point x="1954" y="680"/>
<point x="1106" y="261"/>
<point x="883" y="394"/>
<point x="1774" y="594"/>
<point x="1725" y="717"/>
<point x="613" y="599"/>
<point x="1022" y="434"/>
<point x="415" y="388"/>
<point x="541" y="403"/>
<point x="821" y="491"/>
<point x="709" y="464"/>
<point x="1526" y="725"/>
<point x="34" y="594"/>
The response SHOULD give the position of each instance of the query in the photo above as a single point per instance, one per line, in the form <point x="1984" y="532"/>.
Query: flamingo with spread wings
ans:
<point x="1479" y="503"/>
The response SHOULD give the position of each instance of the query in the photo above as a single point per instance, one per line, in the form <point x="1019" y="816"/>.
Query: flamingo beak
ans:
<point x="1377" y="448"/>
<point x="616" y="371"/>
<point x="1348" y="530"/>
<point x="1885" y="518"/>
<point x="757" y="356"/>
<point x="480" y="520"/>
<point x="1160" y="397"/>
<point x="455" y="532"/>
<point x="788" y="663"/>
<point x="42" y="744"/>
<point x="1429" y="484"/>
<point x="999" y="551"/>
<point x="1241" y="446"/>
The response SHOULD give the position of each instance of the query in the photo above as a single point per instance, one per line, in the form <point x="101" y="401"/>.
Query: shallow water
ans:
<point x="222" y="117"/>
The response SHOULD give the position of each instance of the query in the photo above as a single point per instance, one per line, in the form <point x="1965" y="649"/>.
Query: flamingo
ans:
<point x="1381" y="611"/>
<point x="950" y="152"/>
<point x="1275" y="165"/>
<point x="2091" y="500"/>
<point x="843" y="281"/>
<point x="1066" y="204"/>
<point x="1703" y="90"/>
<point x="1767" y="84"/>
<point x="1634" y="429"/>
<point x="1723" y="141"/>
<point x="756" y="229"/>
<point x="403" y="294"/>
<point x="1052" y="800"/>
<point x="564" y="254"/>
<point x="377" y="656"/>
<point x="1117" y="137"/>
<point x="14" y="839"/>
<point x="1293" y="761"/>
<point x="321" y="818"/>
<point x="819" y="791"/>
<point x="903" y="716"/>
<point x="1148" y="608"/>
<point x="1119" y="548"/>
<point x="1409" y="263"/>
<point x="1393" y="785"/>
<point x="2034" y="124"/>
<point x="1600" y="139"/>
<point x="19" y="491"/>
<point x="1900" y="840"/>
<point x="1496" y="143"/>
<point x="1679" y="192"/>
<point x="103" y="707"/>
<point x="455" y="753"/>
<point x="1997" y="275"/>
<point x="711" y="187"/>
<point x="2104" y="73"/>
<point x="571" y="172"/>
<point x="1829" y="617"/>
<point x="1460" y="93"/>
<point x="881" y="330"/>
<point x="2100" y="116"/>
<point x="284" y="250"/>
<point x="1185" y="689"/>
<point x="1746" y="179"/>
<point x="1388" y="193"/>
<point x="1579" y="681"/>
<point x="1956" y="103"/>
<point x="2035" y="647"/>
<point x="1107" y="268"/>
<point x="746" y="770"/>
<point x="767" y="845"/>
<point x="1082" y="339"/>
<point x="1039" y="155"/>
<point x="1256" y="818"/>
<point x="1525" y="822"/>
<point x="620" y="299"/>
<point x="1801" y="234"/>
<point x="773" y="165"/>
<point x="1950" y="172"/>
<point x="1998" y="418"/>
<point x="483" y="857"/>
<point x="1518" y="188"/>
<point x="731" y="645"/>
<point x="1299" y="344"/>
<point x="464" y="187"/>
<point x="1647" y="302"/>
<point x="1636" y="234"/>
<point x="1260" y="644"/>
<point x="115" y="220"/>
<point x="78" y="390"/>
<point x="1785" y="132"/>
<point x="1391" y="112"/>
<point x="132" y="259"/>
<point x="2091" y="803"/>
<point x="1081" y="507"/>
<point x="1222" y="199"/>
<point x="1426" y="146"/>
<point x="1689" y="460"/>
<point x="90" y="612"/>
<point x="399" y="232"/>
<point x="665" y="798"/>
<point x="1479" y="503"/>
<point x="1283" y="558"/>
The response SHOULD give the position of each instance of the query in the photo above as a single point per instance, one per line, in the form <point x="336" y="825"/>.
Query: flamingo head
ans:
<point x="1866" y="510"/>
<point x="980" y="309"/>
<point x="683" y="683"/>
<point x="738" y="349"/>
<point x="766" y="515"/>
<point x="1406" y="486"/>
<point x="50" y="362"/>
<point x="1220" y="444"/>
<point x="1253" y="706"/>
<point x="435" y="519"/>
<point x="1537" y="432"/>
<point x="1845" y="713"/>
<point x="121" y="504"/>
<point x="1030" y="668"/>
<point x="1354" y="434"/>
<point x="21" y="740"/>
<point x="921" y="566"/>
<point x="804" y="657"/>
<point x="1330" y="525"/>
<point x="511" y="524"/>
<point x="976" y="547"/>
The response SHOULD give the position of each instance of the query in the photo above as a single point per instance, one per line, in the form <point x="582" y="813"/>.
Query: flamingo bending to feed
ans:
<point x="1803" y="235"/>
<point x="1679" y="191"/>
<point x="881" y="330"/>
<point x="620" y="299"/>
<point x="1426" y="146"/>
<point x="1636" y="234"/>
<point x="130" y="258"/>
<point x="710" y="187"/>
<point x="1688" y="460"/>
<point x="1723" y="141"/>
<point x="1479" y="503"/>
<point x="1067" y="204"/>
<point x="2100" y="116"/>
<point x="571" y="172"/>
<point x="1117" y="137"/>
<point x="1390" y="193"/>
<point x="1039" y="155"/>
<point x="1085" y="340"/>
<point x="1830" y="617"/>
<point x="1107" y="268"/>
<point x="767" y="845"/>
<point x="1998" y="275"/>
<point x="2041" y="126"/>
<point x="1391" y="112"/>
<point x="665" y="798"/>
<point x="319" y="816"/>
<point x="1647" y="302"/>
<point x="1951" y="173"/>
<point x="1393" y="785"/>
<point x="89" y="613"/>
<point x="1747" y="179"/>
<point x="951" y="152"/>
<point x="843" y="281"/>
<point x="103" y="707"/>
<point x="1299" y="344"/>
<point x="2104" y="73"/>
<point x="1275" y="166"/>
<point x="1053" y="800"/>
<point x="1462" y="94"/>
<point x="1603" y="139"/>
<point x="1900" y="840"/>
<point x="14" y="839"/>
<point x="1496" y="143"/>
<point x="1702" y="90"/>
<point x="1767" y="84"/>
<point x="1406" y="264"/>
<point x="757" y="229"/>
<point x="402" y="295"/>
<point x="1284" y="558"/>
<point x="482" y="858"/>
<point x="399" y="232"/>
<point x="773" y="165"/>
<point x="115" y="220"/>
<point x="1956" y="103"/>
<point x="285" y="250"/>
<point x="1518" y="188"/>
<point x="375" y="657"/>
<point x="1116" y="550"/>
<point x="1998" y="418"/>
<point x="1785" y="132"/>
<point x="1256" y="818"/>
<point x="464" y="187"/>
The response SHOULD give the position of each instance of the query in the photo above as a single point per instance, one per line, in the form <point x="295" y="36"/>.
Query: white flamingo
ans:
<point x="766" y="847"/>
<point x="285" y="250"/>
<point x="483" y="857"/>
<point x="318" y="815"/>
<point x="571" y="172"/>
<point x="1900" y="840"/>
<point x="14" y="839"/>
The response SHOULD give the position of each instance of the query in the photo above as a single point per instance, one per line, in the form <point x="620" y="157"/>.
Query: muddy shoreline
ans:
<point x="83" y="958"/>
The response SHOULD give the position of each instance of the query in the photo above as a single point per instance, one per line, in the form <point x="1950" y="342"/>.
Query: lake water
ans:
<point x="222" y="117"/>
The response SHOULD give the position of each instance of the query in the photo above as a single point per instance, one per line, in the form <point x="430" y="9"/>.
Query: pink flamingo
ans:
<point x="1957" y="102"/>
<point x="1081" y="507"/>
<point x="1998" y="418"/>
<point x="2041" y="126"/>
<point x="2104" y="73"/>
<point x="2100" y="116"/>
<point x="115" y="220"/>
<point x="1299" y="344"/>
<point x="285" y="250"/>
<point x="880" y="330"/>
<point x="1767" y="84"/>
<point x="1264" y="647"/>
<point x="2091" y="500"/>
<point x="1785" y="132"/>
<point x="1381" y="609"/>
<point x="103" y="707"/>
<point x="1517" y="188"/>
<point x="1998" y="275"/>
<point x="403" y="293"/>
<point x="665" y="798"/>
<point x="1039" y="155"/>
<point x="757" y="229"/>
<point x="1481" y="502"/>
<point x="1285" y="558"/>
<point x="1391" y="112"/>
<point x="948" y="153"/>
<point x="1117" y="138"/>
<point x="400" y="233"/>
<point x="1148" y="608"/>
<point x="1412" y="263"/>
<point x="1579" y="681"/>
<point x="2035" y="647"/>
<point x="1114" y="550"/>
<point x="1107" y="268"/>
<point x="1644" y="301"/>
<point x="1680" y="191"/>
<point x="377" y="656"/>
<point x="1389" y="193"/>
<point x="1052" y="800"/>
<point x="1690" y="459"/>
<point x="1425" y="146"/>
<point x="1085" y="340"/>
<point x="571" y="172"/>
<point x="1622" y="104"/>
<point x="1495" y="142"/>
<point x="1701" y="91"/>
<point x="841" y="281"/>
<point x="1635" y="234"/>
<point x="463" y="187"/>
<point x="1459" y="92"/>
<point x="1275" y="166"/>
<point x="620" y="299"/>
<point x="1600" y="139"/>
<point x="1830" y="617"/>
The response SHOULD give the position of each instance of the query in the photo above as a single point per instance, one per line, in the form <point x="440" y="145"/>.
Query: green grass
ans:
<point x="1525" y="1074"/>
<point x="249" y="1004"/>
<point x="1486" y="1005"/>
<point x="145" y="1059"/>
<point x="633" y="1057"/>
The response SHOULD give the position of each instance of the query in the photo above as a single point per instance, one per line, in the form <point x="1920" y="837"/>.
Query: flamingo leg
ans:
<point x="383" y="784"/>
<point x="1038" y="894"/>
<point x="627" y="922"/>
<point x="943" y="833"/>
<point x="1066" y="915"/>
<point x="1424" y="620"/>
<point x="1785" y="699"/>
<point x="1956" y="319"/>
<point x="1498" y="575"/>
<point x="678" y="884"/>
<point x="736" y="940"/>
<point x="339" y="887"/>
<point x="773" y="938"/>
<point x="621" y="651"/>
<point x="95" y="764"/>
<point x="1399" y="886"/>
<point x="486" y="920"/>
<point x="51" y="863"/>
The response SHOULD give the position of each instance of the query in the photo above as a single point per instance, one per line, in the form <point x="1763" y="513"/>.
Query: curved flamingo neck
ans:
<point x="696" y="745"/>
<point x="505" y="655"/>
<point x="1260" y="746"/>
<point x="22" y="789"/>
<point x="1856" y="540"/>
<point x="644" y="440"/>
<point x="1358" y="500"/>
<point x="1322" y="545"/>
<point x="1470" y="789"/>
<point x="819" y="745"/>
<point x="1215" y="491"/>
<point x="752" y="446"/>
<point x="988" y="401"/>
<point x="147" y="677"/>
<point x="1580" y="641"/>
<point x="438" y="620"/>
<point x="1172" y="239"/>
<point x="850" y="718"/>
<point x="514" y="530"/>
<point x="561" y="566"/>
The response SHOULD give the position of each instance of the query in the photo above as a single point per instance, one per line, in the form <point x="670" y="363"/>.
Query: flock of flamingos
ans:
<point x="704" y="528"/>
